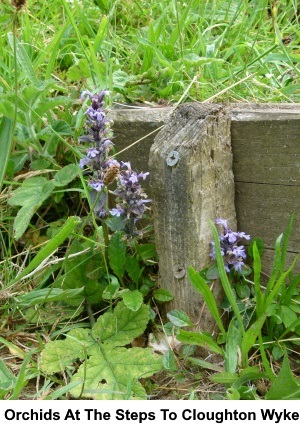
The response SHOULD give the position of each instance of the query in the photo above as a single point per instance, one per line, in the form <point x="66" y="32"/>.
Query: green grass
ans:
<point x="144" y="52"/>
<point x="147" y="50"/>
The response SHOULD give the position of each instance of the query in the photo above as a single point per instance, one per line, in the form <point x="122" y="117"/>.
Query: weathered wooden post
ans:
<point x="191" y="183"/>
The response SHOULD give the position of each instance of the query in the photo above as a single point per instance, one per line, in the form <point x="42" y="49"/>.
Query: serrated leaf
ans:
<point x="117" y="254"/>
<point x="65" y="175"/>
<point x="179" y="318"/>
<point x="162" y="295"/>
<point x="121" y="327"/>
<point x="112" y="373"/>
<point x="132" y="299"/>
<point x="58" y="354"/>
<point x="133" y="269"/>
<point x="109" y="371"/>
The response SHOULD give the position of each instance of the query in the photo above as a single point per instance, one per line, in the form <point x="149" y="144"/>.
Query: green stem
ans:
<point x="16" y="72"/>
<point x="90" y="314"/>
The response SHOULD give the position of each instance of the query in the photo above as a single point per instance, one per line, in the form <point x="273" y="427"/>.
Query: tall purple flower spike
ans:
<point x="233" y="254"/>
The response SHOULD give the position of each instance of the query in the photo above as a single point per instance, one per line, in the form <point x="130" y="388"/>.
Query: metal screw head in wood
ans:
<point x="172" y="158"/>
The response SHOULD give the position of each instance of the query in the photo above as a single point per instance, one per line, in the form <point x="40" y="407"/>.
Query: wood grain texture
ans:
<point x="198" y="188"/>
<point x="266" y="166"/>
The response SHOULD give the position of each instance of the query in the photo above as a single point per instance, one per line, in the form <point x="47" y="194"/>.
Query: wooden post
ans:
<point x="191" y="183"/>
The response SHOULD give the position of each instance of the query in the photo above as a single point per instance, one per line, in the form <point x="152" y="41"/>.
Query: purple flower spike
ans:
<point x="233" y="254"/>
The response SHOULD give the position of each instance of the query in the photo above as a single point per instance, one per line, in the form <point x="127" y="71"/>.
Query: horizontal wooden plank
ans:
<point x="266" y="148"/>
<point x="264" y="210"/>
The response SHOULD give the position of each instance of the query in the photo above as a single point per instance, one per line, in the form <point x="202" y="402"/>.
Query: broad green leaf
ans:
<point x="146" y="252"/>
<point x="22" y="220"/>
<point x="278" y="351"/>
<point x="112" y="373"/>
<point x="288" y="316"/>
<point x="79" y="70"/>
<point x="7" y="380"/>
<point x="108" y="371"/>
<point x="65" y="175"/>
<point x="122" y="326"/>
<point x="169" y="361"/>
<point x="112" y="289"/>
<point x="162" y="295"/>
<point x="201" y="286"/>
<point x="132" y="299"/>
<point x="117" y="254"/>
<point x="58" y="354"/>
<point x="285" y="386"/>
<point x="133" y="269"/>
<point x="213" y="272"/>
<point x="200" y="339"/>
<point x="179" y="319"/>
<point x="31" y="194"/>
<point x="233" y="394"/>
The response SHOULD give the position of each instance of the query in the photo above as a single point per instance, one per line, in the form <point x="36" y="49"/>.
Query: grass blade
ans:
<point x="49" y="248"/>
<point x="257" y="288"/>
<point x="286" y="238"/>
<point x="225" y="283"/>
<point x="201" y="286"/>
<point x="6" y="142"/>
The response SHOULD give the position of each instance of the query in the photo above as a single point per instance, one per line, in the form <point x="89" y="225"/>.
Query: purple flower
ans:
<point x="97" y="185"/>
<point x="131" y="198"/>
<point x="233" y="254"/>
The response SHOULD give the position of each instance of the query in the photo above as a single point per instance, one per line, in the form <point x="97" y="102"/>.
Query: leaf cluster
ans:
<point x="108" y="370"/>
